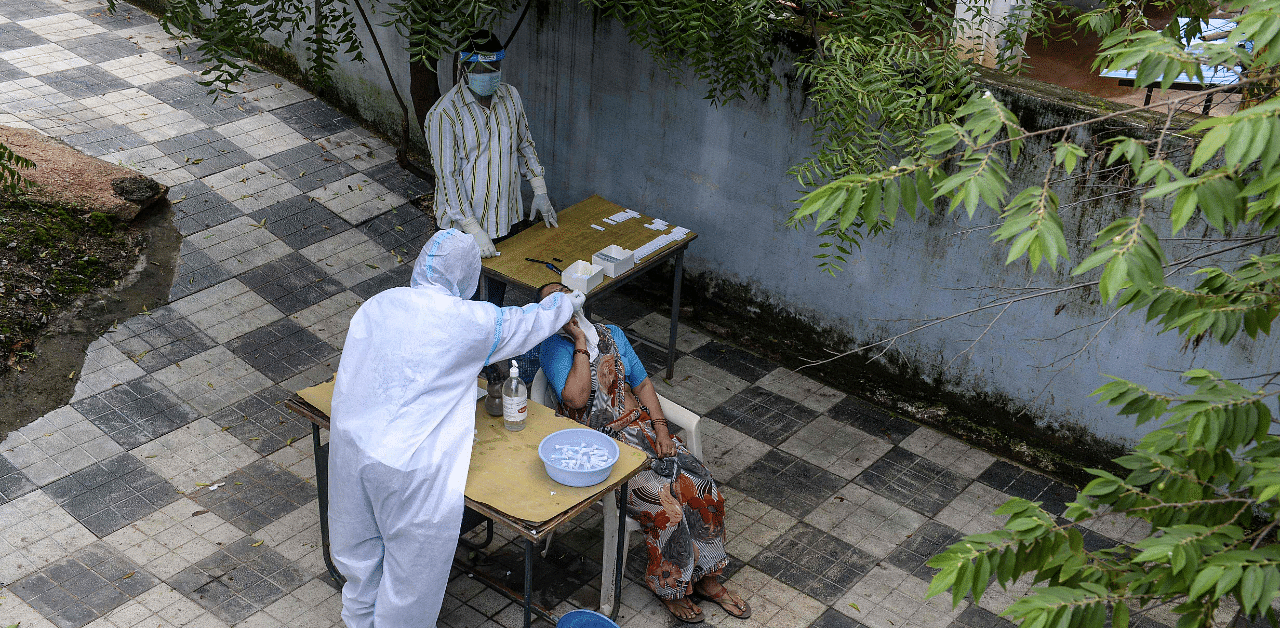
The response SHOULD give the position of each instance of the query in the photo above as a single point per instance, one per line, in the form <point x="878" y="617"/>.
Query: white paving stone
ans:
<point x="198" y="453"/>
<point x="357" y="198"/>
<point x="143" y="69"/>
<point x="34" y="531"/>
<point x="350" y="257"/>
<point x="61" y="27"/>
<point x="43" y="59"/>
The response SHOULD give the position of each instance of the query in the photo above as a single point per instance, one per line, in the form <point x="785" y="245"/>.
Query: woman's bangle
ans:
<point x="583" y="352"/>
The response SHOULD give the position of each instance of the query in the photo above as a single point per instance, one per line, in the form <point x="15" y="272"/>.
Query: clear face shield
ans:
<point x="482" y="71"/>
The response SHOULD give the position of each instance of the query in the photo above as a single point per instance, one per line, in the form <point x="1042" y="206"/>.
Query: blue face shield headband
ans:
<point x="483" y="83"/>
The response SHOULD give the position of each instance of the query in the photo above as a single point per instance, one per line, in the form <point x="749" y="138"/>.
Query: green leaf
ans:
<point x="1120" y="615"/>
<point x="1205" y="580"/>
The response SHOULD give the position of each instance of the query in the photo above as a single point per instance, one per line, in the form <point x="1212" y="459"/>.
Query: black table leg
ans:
<point x="622" y="540"/>
<point x="675" y="314"/>
<point x="322" y="490"/>
<point x="528" y="582"/>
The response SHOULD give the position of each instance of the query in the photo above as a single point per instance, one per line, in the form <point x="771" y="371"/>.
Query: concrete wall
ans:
<point x="608" y="121"/>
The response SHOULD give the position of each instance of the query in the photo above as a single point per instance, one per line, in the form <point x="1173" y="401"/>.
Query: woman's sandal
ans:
<point x="685" y="604"/>
<point x="725" y="599"/>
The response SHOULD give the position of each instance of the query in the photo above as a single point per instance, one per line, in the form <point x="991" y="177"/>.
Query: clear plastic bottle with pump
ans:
<point x="515" y="401"/>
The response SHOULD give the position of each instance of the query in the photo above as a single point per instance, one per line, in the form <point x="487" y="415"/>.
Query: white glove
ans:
<point x="542" y="203"/>
<point x="472" y="228"/>
<point x="578" y="299"/>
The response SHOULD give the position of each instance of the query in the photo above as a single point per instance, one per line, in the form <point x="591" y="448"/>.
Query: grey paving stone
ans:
<point x="314" y="119"/>
<point x="84" y="81"/>
<point x="394" y="278"/>
<point x="763" y="415"/>
<point x="125" y="16"/>
<point x="399" y="180"/>
<point x="1018" y="482"/>
<point x="316" y="172"/>
<point x="84" y="586"/>
<point x="196" y="272"/>
<point x="262" y="422"/>
<point x="831" y="618"/>
<point x="204" y="152"/>
<point x="13" y="482"/>
<point x="136" y="411"/>
<point x="113" y="144"/>
<point x="299" y="221"/>
<point x="977" y="617"/>
<point x="872" y="420"/>
<point x="111" y="494"/>
<point x="912" y="481"/>
<point x="282" y="349"/>
<point x="403" y="230"/>
<point x="620" y="309"/>
<point x="787" y="483"/>
<point x="238" y="580"/>
<point x="814" y="562"/>
<point x="163" y="338"/>
<point x="101" y="47"/>
<point x="292" y="283"/>
<point x="740" y="363"/>
<point x="256" y="495"/>
<point x="14" y="36"/>
<point x="927" y="541"/>
<point x="197" y="208"/>
<point x="7" y="71"/>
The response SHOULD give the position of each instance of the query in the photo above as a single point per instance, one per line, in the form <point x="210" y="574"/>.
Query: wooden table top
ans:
<point x="507" y="480"/>
<point x="575" y="239"/>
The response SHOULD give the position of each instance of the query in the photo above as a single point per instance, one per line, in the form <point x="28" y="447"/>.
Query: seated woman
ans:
<point x="601" y="384"/>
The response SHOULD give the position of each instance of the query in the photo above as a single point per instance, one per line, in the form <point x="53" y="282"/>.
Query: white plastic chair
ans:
<point x="688" y="421"/>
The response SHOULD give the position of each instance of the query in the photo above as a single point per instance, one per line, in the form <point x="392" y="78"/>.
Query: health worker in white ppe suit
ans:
<point x="403" y="420"/>
<point x="480" y="146"/>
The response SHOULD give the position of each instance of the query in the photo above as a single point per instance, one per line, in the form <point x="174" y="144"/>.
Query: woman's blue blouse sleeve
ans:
<point x="635" y="368"/>
<point x="557" y="359"/>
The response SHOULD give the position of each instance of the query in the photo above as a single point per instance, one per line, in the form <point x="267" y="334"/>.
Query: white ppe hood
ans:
<point x="402" y="424"/>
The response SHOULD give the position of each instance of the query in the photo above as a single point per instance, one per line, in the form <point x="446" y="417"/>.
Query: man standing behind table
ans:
<point x="403" y="423"/>
<point x="480" y="144"/>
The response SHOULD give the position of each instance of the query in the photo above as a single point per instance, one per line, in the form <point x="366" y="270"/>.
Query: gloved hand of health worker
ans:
<point x="472" y="228"/>
<point x="542" y="203"/>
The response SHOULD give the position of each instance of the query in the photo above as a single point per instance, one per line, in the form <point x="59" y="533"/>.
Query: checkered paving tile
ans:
<point x="196" y="208"/>
<point x="204" y="152"/>
<point x="197" y="455"/>
<point x="173" y="538"/>
<point x="211" y="380"/>
<point x="238" y="580"/>
<point x="329" y="319"/>
<point x="42" y="59"/>
<point x="1018" y="482"/>
<point x="358" y="147"/>
<point x="765" y="416"/>
<point x="866" y="520"/>
<point x="889" y="597"/>
<point x="158" y="339"/>
<point x="13" y="482"/>
<point x="261" y="421"/>
<point x="240" y="244"/>
<point x="139" y="70"/>
<point x="145" y="115"/>
<point x="104" y="367"/>
<point x="314" y="119"/>
<point x="251" y="186"/>
<point x="913" y="481"/>
<point x="357" y="198"/>
<point x="927" y="541"/>
<point x="255" y="495"/>
<point x="136" y="411"/>
<point x="283" y="349"/>
<point x="150" y="161"/>
<point x="814" y="562"/>
<point x="351" y="257"/>
<point x="111" y="494"/>
<point x="836" y="447"/>
<point x="291" y="283"/>
<point x="84" y="586"/>
<point x="59" y="443"/>
<point x="28" y="94"/>
<point x="61" y="27"/>
<point x="227" y="310"/>
<point x="787" y="483"/>
<point x="872" y="419"/>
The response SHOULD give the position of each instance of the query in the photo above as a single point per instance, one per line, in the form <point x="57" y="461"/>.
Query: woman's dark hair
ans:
<point x="545" y="286"/>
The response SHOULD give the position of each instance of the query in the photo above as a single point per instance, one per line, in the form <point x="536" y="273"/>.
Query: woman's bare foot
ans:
<point x="711" y="589"/>
<point x="683" y="609"/>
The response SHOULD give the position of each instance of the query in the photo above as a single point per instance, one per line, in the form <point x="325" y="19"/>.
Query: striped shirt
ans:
<point x="476" y="152"/>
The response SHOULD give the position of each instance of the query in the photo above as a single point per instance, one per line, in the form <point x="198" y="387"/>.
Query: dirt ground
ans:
<point x="57" y="299"/>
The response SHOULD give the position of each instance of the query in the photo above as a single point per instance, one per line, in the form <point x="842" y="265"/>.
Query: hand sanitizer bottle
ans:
<point x="515" y="401"/>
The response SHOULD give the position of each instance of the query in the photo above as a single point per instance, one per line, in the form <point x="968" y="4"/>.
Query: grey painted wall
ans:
<point x="608" y="121"/>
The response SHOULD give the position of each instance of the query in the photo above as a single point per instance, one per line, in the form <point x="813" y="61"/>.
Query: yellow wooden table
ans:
<point x="506" y="482"/>
<point x="576" y="239"/>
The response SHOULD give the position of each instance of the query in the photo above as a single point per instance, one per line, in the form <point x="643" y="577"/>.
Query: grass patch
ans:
<point x="51" y="257"/>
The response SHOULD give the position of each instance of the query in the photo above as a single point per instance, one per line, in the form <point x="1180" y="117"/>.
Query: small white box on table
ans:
<point x="614" y="259"/>
<point x="582" y="276"/>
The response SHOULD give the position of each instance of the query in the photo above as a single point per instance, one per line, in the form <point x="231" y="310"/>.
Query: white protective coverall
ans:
<point x="403" y="420"/>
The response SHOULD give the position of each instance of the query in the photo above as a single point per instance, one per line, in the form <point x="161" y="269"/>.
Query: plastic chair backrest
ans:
<point x="540" y="390"/>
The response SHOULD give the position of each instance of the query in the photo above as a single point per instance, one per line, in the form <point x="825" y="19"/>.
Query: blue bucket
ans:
<point x="583" y="618"/>
<point x="577" y="436"/>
